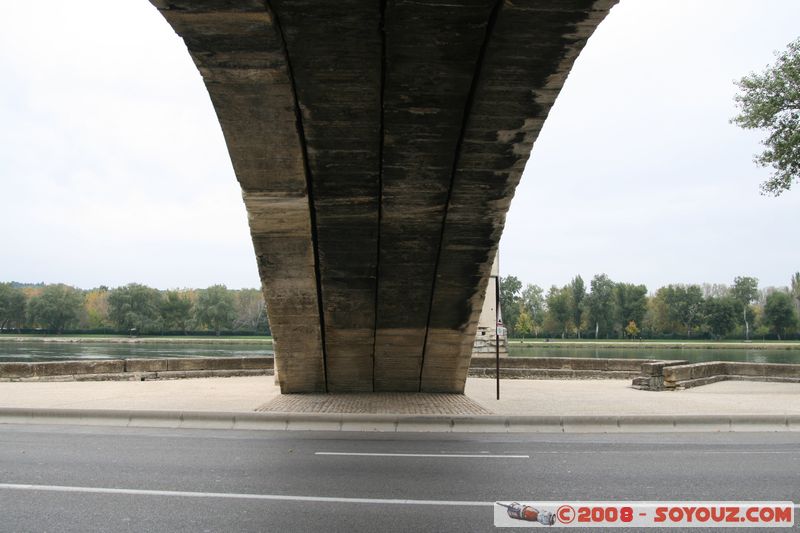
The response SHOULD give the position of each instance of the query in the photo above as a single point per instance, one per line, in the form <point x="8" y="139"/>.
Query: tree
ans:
<point x="176" y="311"/>
<point x="632" y="330"/>
<point x="510" y="288"/>
<point x="779" y="313"/>
<point x="558" y="307"/>
<point x="533" y="304"/>
<point x="771" y="101"/>
<point x="135" y="307"/>
<point x="745" y="291"/>
<point x="720" y="314"/>
<point x="12" y="306"/>
<point x="524" y="326"/>
<point x="684" y="304"/>
<point x="251" y="311"/>
<point x="96" y="307"/>
<point x="215" y="308"/>
<point x="657" y="320"/>
<point x="56" y="308"/>
<point x="577" y="294"/>
<point x="600" y="304"/>
<point x="630" y="304"/>
<point x="796" y="291"/>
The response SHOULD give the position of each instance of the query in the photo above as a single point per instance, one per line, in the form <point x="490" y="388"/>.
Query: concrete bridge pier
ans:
<point x="378" y="144"/>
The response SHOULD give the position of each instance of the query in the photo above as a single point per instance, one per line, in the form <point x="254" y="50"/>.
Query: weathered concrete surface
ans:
<point x="136" y="369"/>
<point x="675" y="375"/>
<point x="378" y="145"/>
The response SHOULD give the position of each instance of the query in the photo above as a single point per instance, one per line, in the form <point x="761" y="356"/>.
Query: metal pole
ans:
<point x="497" y="330"/>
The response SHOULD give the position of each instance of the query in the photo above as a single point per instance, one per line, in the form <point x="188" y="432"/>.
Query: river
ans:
<point x="694" y="355"/>
<point x="30" y="351"/>
<point x="59" y="351"/>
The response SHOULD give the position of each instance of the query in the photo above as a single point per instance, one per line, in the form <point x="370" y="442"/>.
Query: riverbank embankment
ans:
<point x="122" y="339"/>
<point x="662" y="345"/>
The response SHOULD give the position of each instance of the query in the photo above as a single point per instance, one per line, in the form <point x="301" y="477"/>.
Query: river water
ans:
<point x="55" y="351"/>
<point x="62" y="351"/>
<point x="694" y="355"/>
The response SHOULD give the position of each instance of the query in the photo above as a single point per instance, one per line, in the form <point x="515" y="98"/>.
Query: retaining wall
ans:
<point x="557" y="367"/>
<point x="695" y="375"/>
<point x="172" y="368"/>
<point x="683" y="375"/>
<point x="136" y="369"/>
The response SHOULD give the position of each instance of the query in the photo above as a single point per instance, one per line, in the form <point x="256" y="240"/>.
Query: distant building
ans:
<point x="488" y="324"/>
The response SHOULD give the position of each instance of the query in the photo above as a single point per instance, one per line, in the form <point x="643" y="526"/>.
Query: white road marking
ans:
<point x="662" y="452"/>
<point x="459" y="455"/>
<point x="235" y="496"/>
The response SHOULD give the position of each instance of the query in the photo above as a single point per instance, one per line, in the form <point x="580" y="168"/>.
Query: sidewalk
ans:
<point x="551" y="406"/>
<point x="518" y="397"/>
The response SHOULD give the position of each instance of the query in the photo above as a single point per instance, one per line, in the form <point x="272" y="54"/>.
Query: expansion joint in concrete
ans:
<point x="490" y="24"/>
<point x="309" y="184"/>
<point x="382" y="128"/>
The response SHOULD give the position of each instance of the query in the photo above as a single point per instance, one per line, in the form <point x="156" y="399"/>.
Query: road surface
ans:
<point x="84" y="479"/>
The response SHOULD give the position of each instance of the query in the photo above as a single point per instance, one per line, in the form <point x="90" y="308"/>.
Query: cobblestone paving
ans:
<point x="376" y="403"/>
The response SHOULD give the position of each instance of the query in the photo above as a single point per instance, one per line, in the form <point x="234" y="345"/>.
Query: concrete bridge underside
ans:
<point x="378" y="145"/>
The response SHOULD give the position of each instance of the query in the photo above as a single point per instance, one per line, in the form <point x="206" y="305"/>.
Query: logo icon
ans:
<point x="565" y="514"/>
<point x="527" y="513"/>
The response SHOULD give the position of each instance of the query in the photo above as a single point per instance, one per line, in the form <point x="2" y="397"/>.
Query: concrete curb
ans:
<point x="403" y="423"/>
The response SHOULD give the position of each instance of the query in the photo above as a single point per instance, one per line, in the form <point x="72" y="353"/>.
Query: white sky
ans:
<point x="113" y="168"/>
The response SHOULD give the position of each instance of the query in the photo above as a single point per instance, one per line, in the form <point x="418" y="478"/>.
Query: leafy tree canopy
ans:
<point x="779" y="313"/>
<point x="57" y="307"/>
<point x="771" y="101"/>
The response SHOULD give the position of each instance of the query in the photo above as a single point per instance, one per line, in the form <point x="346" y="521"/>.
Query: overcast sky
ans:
<point x="113" y="168"/>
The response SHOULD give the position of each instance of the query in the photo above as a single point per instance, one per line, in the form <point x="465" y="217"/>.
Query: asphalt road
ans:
<point x="69" y="478"/>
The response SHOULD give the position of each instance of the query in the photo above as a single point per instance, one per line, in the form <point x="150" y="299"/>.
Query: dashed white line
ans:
<point x="446" y="455"/>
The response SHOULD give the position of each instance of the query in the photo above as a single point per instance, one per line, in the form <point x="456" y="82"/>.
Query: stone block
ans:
<point x="146" y="365"/>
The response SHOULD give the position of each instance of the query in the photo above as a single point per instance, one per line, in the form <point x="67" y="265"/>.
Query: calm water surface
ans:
<point x="55" y="351"/>
<point x="694" y="355"/>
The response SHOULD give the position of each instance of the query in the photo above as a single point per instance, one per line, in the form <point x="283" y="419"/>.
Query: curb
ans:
<point x="402" y="423"/>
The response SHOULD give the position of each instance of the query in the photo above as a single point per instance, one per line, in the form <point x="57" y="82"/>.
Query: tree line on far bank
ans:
<point x="607" y="309"/>
<point x="131" y="309"/>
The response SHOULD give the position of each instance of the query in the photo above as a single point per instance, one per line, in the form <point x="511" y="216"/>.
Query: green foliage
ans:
<point x="216" y="308"/>
<point x="251" y="312"/>
<point x="632" y="330"/>
<point x="533" y="304"/>
<point x="745" y="291"/>
<point x="510" y="287"/>
<point x="135" y="307"/>
<point x="684" y="304"/>
<point x="524" y="325"/>
<point x="771" y="101"/>
<point x="600" y="304"/>
<point x="558" y="307"/>
<point x="630" y="304"/>
<point x="176" y="311"/>
<point x="12" y="306"/>
<point x="56" y="308"/>
<point x="577" y="293"/>
<point x="132" y="307"/>
<point x="720" y="315"/>
<point x="779" y="313"/>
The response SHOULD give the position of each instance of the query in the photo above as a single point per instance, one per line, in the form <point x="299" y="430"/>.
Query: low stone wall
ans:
<point x="174" y="368"/>
<point x="136" y="369"/>
<point x="695" y="375"/>
<point x="652" y="374"/>
<point x="557" y="367"/>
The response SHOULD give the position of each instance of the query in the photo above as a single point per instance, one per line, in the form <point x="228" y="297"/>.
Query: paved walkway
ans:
<point x="518" y="397"/>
